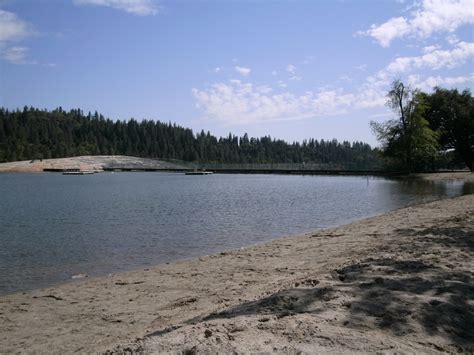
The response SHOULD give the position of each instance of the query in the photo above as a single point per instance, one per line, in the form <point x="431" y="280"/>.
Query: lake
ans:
<point x="54" y="226"/>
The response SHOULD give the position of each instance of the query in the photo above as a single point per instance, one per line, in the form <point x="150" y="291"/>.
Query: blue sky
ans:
<point x="291" y="69"/>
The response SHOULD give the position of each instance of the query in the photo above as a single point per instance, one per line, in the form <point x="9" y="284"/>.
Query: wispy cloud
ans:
<point x="434" y="58"/>
<point x="427" y="84"/>
<point x="243" y="71"/>
<point x="244" y="102"/>
<point x="16" y="55"/>
<point x="307" y="60"/>
<point x="237" y="102"/>
<point x="346" y="78"/>
<point x="295" y="78"/>
<point x="135" y="7"/>
<point x="426" y="18"/>
<point x="290" y="68"/>
<point x="362" y="67"/>
<point x="14" y="30"/>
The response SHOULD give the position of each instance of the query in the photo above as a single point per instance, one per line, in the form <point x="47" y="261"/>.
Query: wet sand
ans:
<point x="399" y="282"/>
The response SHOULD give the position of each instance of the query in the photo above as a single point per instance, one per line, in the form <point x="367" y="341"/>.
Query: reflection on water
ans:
<point x="54" y="226"/>
<point x="425" y="191"/>
<point x="438" y="188"/>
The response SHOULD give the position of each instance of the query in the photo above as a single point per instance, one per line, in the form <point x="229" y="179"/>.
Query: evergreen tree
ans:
<point x="32" y="134"/>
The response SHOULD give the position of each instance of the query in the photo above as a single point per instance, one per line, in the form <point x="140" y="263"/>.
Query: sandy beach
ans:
<point x="399" y="282"/>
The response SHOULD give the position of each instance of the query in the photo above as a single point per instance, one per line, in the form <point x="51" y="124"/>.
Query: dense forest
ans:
<point x="40" y="134"/>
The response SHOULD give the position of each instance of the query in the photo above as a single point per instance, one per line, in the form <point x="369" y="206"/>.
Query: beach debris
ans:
<point x="111" y="319"/>
<point x="123" y="283"/>
<point x="57" y="298"/>
<point x="207" y="333"/>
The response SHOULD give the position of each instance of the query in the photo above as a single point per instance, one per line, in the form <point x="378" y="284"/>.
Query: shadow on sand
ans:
<point x="404" y="295"/>
<point x="401" y="296"/>
<point x="422" y="286"/>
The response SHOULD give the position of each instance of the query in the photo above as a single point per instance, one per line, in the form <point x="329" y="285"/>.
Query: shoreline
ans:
<point x="101" y="163"/>
<point x="272" y="296"/>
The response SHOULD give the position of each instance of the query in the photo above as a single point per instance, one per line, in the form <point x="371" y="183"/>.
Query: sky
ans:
<point x="289" y="69"/>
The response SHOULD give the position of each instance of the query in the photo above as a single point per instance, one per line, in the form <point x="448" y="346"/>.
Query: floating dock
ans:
<point x="198" y="173"/>
<point x="78" y="172"/>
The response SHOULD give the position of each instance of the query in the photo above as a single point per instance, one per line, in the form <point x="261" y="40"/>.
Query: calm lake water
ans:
<point x="54" y="226"/>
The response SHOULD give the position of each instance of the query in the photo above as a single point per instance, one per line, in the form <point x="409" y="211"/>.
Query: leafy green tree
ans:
<point x="407" y="140"/>
<point x="452" y="114"/>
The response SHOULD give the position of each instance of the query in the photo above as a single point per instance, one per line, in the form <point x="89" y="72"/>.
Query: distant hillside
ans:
<point x="39" y="134"/>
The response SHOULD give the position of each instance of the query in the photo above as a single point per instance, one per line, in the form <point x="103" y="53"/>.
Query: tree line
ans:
<point x="32" y="133"/>
<point x="429" y="129"/>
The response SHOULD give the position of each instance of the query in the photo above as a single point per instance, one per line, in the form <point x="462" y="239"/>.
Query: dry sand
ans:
<point x="399" y="282"/>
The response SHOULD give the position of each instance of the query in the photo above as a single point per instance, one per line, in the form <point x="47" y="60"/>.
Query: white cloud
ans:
<point x="428" y="17"/>
<point x="274" y="72"/>
<point x="385" y="33"/>
<point x="307" y="60"/>
<point x="243" y="71"/>
<point x="427" y="84"/>
<point x="135" y="7"/>
<point x="16" y="55"/>
<point x="12" y="28"/>
<point x="434" y="58"/>
<point x="345" y="78"/>
<point x="362" y="67"/>
<point x="295" y="78"/>
<point x="217" y="70"/>
<point x="431" y="48"/>
<point x="291" y="68"/>
<point x="239" y="102"/>
<point x="452" y="39"/>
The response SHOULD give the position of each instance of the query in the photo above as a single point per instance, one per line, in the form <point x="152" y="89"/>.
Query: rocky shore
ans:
<point x="400" y="282"/>
<point x="88" y="162"/>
